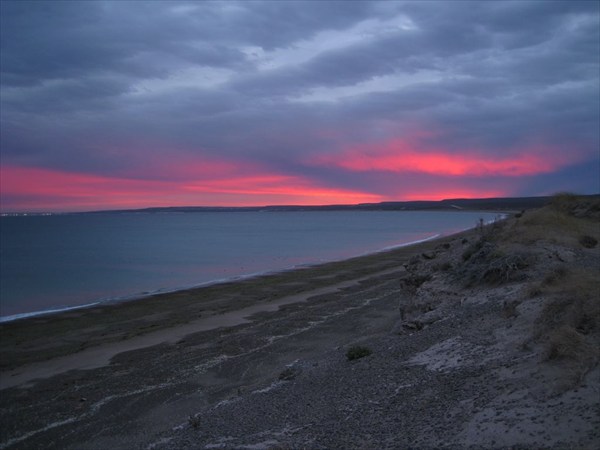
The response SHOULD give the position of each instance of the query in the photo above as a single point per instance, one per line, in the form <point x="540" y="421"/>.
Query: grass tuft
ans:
<point x="569" y="324"/>
<point x="288" y="374"/>
<point x="565" y="343"/>
<point x="588" y="241"/>
<point x="194" y="422"/>
<point x="357" y="352"/>
<point x="563" y="201"/>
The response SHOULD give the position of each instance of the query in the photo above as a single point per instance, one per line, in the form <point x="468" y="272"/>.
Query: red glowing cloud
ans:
<point x="35" y="189"/>
<point x="427" y="173"/>
<point x="406" y="156"/>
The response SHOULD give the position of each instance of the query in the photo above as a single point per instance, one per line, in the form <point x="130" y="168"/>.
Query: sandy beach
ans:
<point x="470" y="342"/>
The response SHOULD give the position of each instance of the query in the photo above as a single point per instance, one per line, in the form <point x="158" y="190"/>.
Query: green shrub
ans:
<point x="288" y="374"/>
<point x="556" y="275"/>
<point x="588" y="241"/>
<point x="567" y="343"/>
<point x="356" y="352"/>
<point x="194" y="421"/>
<point x="445" y="266"/>
<point x="472" y="249"/>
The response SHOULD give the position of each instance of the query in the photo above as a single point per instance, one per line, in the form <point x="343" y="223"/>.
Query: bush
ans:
<point x="356" y="352"/>
<point x="567" y="343"/>
<point x="194" y="422"/>
<point x="588" y="241"/>
<point x="445" y="266"/>
<point x="472" y="249"/>
<point x="504" y="269"/>
<point x="288" y="374"/>
<point x="486" y="263"/>
<point x="412" y="282"/>
<point x="556" y="275"/>
<point x="509" y="309"/>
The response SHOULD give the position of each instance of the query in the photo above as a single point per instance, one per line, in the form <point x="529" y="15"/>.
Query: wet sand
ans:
<point x="42" y="346"/>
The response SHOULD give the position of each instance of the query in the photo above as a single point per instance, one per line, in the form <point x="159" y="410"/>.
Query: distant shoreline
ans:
<point x="500" y="204"/>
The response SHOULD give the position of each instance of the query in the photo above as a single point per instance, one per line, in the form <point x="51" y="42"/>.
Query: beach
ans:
<point x="459" y="354"/>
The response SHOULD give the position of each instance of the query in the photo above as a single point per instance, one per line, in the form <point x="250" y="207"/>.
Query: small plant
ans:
<point x="288" y="374"/>
<point x="356" y="352"/>
<point x="504" y="269"/>
<point x="445" y="266"/>
<point x="566" y="343"/>
<point x="472" y="249"/>
<point x="533" y="290"/>
<point x="556" y="275"/>
<point x="194" y="422"/>
<point x="480" y="225"/>
<point x="588" y="241"/>
<point x="412" y="282"/>
<point x="509" y="309"/>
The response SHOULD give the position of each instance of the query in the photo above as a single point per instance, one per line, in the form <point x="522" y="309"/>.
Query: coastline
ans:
<point x="174" y="308"/>
<point x="56" y="292"/>
<point x="452" y="363"/>
<point x="233" y="279"/>
<point x="141" y="296"/>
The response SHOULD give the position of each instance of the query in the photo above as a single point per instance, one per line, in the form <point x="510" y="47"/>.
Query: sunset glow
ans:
<point x="43" y="190"/>
<point x="397" y="156"/>
<point x="111" y="105"/>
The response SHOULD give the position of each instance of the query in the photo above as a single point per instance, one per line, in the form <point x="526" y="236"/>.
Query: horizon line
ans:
<point x="253" y="207"/>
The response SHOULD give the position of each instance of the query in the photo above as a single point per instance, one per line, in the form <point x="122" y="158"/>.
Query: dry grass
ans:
<point x="509" y="309"/>
<point x="578" y="354"/>
<point x="569" y="325"/>
<point x="489" y="262"/>
<point x="552" y="278"/>
<point x="357" y="352"/>
<point x="574" y="301"/>
<point x="588" y="241"/>
<point x="563" y="201"/>
<point x="502" y="254"/>
<point x="567" y="343"/>
<point x="548" y="225"/>
<point x="565" y="221"/>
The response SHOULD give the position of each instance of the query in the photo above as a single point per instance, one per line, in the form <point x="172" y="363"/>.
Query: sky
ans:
<point x="117" y="105"/>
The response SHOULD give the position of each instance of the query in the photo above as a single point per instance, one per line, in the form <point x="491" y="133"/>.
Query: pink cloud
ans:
<point x="36" y="189"/>
<point x="410" y="156"/>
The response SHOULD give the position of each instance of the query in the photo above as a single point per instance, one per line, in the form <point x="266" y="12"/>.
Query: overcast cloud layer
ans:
<point x="134" y="104"/>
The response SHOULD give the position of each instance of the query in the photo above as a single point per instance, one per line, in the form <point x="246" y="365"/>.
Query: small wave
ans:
<point x="406" y="244"/>
<point x="44" y="312"/>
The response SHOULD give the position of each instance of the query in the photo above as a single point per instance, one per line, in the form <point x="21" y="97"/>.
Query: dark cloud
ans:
<point x="99" y="86"/>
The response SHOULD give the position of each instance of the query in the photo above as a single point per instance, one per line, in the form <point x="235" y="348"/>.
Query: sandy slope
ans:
<point x="460" y="358"/>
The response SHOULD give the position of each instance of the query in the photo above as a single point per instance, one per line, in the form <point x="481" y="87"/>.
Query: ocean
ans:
<point x="57" y="262"/>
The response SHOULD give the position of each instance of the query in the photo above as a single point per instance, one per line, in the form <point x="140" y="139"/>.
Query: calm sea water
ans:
<point x="62" y="261"/>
